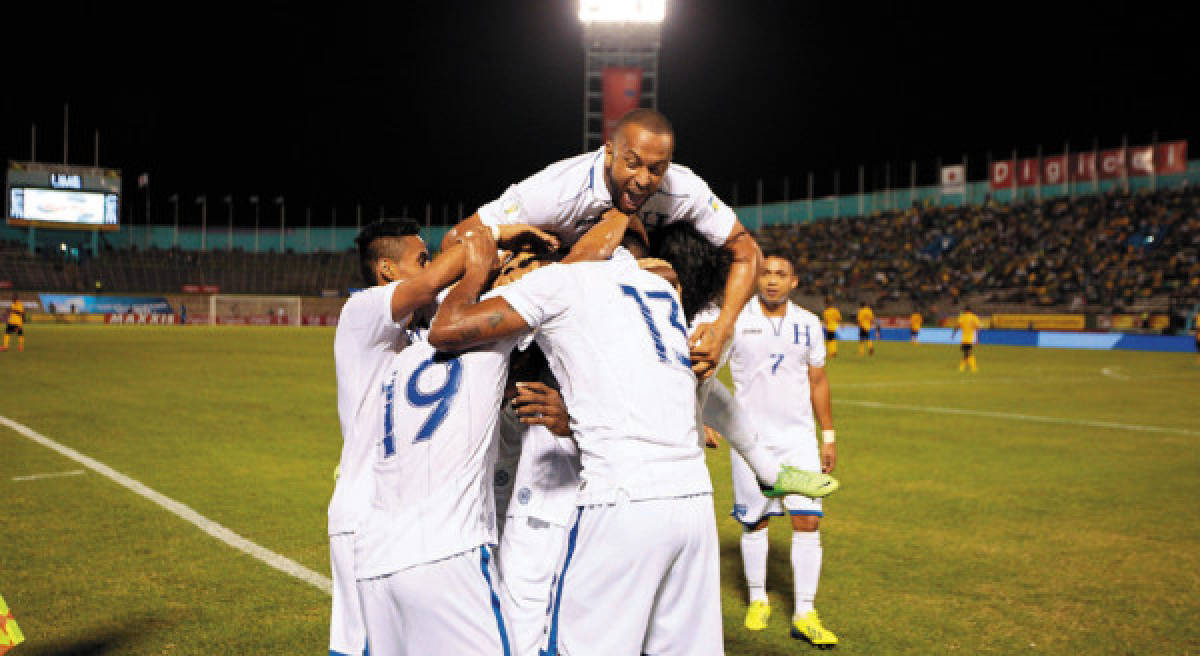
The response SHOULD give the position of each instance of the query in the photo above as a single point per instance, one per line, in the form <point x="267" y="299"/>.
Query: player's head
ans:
<point x="776" y="280"/>
<point x="700" y="267"/>
<point x="529" y="257"/>
<point x="636" y="157"/>
<point x="390" y="249"/>
<point x="829" y="301"/>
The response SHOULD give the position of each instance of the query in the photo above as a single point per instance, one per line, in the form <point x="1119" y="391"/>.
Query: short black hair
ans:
<point x="702" y="268"/>
<point x="650" y="119"/>
<point x="373" y="243"/>
<point x="782" y="256"/>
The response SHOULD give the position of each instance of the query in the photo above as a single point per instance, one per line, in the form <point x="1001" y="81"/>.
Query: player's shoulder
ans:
<point x="803" y="314"/>
<point x="563" y="180"/>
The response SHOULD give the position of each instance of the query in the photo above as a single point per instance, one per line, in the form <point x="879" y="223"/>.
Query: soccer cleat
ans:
<point x="808" y="627"/>
<point x="793" y="480"/>
<point x="757" y="614"/>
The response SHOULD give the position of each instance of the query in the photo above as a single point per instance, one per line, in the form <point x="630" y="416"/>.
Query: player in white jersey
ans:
<point x="370" y="332"/>
<point x="615" y="341"/>
<point x="778" y="365"/>
<point x="424" y="553"/>
<point x="634" y="175"/>
<point x="541" y="479"/>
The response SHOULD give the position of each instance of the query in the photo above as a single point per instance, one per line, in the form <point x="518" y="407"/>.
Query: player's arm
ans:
<point x="463" y="320"/>
<point x="599" y="242"/>
<point x="538" y="404"/>
<point x="822" y="403"/>
<point x="423" y="288"/>
<point x="709" y="340"/>
<point x="506" y="235"/>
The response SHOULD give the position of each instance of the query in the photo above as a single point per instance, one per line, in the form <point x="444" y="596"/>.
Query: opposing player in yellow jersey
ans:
<point x="833" y="319"/>
<point x="866" y="319"/>
<point x="968" y="323"/>
<point x="914" y="324"/>
<point x="16" y="324"/>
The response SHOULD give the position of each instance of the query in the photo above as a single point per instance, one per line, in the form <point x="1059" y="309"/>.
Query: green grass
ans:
<point x="953" y="532"/>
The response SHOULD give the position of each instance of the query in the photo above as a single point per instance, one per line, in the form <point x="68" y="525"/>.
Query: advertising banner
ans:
<point x="1112" y="164"/>
<point x="136" y="319"/>
<point x="1039" y="321"/>
<point x="1001" y="175"/>
<point x="622" y="91"/>
<point x="200" y="289"/>
<point x="1027" y="172"/>
<point x="86" y="304"/>
<point x="1083" y="167"/>
<point x="1171" y="157"/>
<point x="954" y="179"/>
<point x="1054" y="169"/>
<point x="1141" y="160"/>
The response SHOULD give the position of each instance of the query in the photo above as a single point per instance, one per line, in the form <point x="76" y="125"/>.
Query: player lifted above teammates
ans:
<point x="778" y="367"/>
<point x="833" y="321"/>
<point x="866" y="321"/>
<point x="968" y="323"/>
<point x="633" y="174"/>
<point x="15" y="324"/>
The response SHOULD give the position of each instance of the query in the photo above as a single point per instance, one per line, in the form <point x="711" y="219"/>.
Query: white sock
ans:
<point x="806" y="568"/>
<point x="724" y="414"/>
<point x="754" y="563"/>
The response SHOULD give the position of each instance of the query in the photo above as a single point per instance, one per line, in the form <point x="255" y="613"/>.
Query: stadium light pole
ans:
<point x="229" y="205"/>
<point x="254" y="202"/>
<point x="174" y="200"/>
<point x="282" y="220"/>
<point x="619" y="36"/>
<point x="202" y="201"/>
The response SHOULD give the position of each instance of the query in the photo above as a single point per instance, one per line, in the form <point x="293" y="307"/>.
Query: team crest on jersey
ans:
<point x="523" y="496"/>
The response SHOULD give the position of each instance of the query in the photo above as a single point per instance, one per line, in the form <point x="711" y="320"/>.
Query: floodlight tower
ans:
<point x="621" y="38"/>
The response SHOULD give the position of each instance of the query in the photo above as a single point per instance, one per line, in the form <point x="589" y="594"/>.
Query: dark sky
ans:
<point x="412" y="102"/>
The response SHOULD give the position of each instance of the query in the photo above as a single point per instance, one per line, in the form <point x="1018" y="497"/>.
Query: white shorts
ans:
<point x="639" y="577"/>
<point x="445" y="607"/>
<point x="750" y="506"/>
<point x="347" y="630"/>
<point x="529" y="558"/>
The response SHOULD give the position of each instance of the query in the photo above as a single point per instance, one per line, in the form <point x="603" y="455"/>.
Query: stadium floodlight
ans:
<point x="622" y="11"/>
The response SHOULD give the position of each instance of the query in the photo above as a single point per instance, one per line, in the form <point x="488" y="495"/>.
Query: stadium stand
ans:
<point x="1111" y="253"/>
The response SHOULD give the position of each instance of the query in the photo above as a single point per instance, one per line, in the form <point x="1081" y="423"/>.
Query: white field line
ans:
<point x="281" y="563"/>
<point x="1113" y="372"/>
<point x="1105" y="377"/>
<point x="1021" y="417"/>
<point x="38" y="477"/>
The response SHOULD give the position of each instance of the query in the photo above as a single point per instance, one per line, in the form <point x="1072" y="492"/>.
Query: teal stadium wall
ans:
<point x="302" y="240"/>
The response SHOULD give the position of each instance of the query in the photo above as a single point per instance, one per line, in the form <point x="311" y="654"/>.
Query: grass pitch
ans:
<point x="1046" y="504"/>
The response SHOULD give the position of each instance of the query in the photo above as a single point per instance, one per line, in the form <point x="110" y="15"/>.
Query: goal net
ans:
<point x="254" y="310"/>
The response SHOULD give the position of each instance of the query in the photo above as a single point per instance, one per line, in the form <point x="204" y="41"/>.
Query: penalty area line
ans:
<point x="1013" y="415"/>
<point x="279" y="562"/>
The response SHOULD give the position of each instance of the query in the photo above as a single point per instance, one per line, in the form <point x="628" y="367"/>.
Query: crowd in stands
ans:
<point x="1111" y="253"/>
<point x="1116" y="252"/>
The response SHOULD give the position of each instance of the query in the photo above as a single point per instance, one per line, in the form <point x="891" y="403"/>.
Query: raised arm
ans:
<point x="463" y="320"/>
<point x="506" y="235"/>
<point x="709" y="340"/>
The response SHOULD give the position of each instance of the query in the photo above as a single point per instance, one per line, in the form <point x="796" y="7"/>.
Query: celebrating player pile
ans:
<point x="615" y="460"/>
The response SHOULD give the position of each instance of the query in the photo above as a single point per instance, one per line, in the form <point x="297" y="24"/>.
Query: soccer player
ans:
<point x="968" y="323"/>
<point x="15" y="324"/>
<point x="866" y="320"/>
<point x="914" y="324"/>
<point x="371" y="331"/>
<point x="633" y="174"/>
<point x="833" y="321"/>
<point x="778" y="367"/>
<point x="615" y="341"/>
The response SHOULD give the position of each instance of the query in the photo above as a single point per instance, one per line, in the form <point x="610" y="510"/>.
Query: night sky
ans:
<point x="405" y="103"/>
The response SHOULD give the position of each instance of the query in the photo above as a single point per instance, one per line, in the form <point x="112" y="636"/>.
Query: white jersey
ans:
<point x="614" y="337"/>
<point x="433" y="458"/>
<point x="546" y="477"/>
<point x="364" y="346"/>
<point x="769" y="361"/>
<point x="569" y="196"/>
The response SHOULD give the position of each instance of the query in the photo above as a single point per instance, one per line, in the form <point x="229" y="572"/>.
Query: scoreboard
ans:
<point x="59" y="196"/>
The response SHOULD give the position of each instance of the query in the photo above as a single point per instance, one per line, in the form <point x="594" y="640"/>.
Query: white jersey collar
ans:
<point x="756" y="307"/>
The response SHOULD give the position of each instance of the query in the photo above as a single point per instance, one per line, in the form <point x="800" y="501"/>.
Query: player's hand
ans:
<point x="706" y="345"/>
<point x="480" y="250"/>
<point x="538" y="404"/>
<point x="712" y="439"/>
<point x="828" y="456"/>
<point x="513" y="234"/>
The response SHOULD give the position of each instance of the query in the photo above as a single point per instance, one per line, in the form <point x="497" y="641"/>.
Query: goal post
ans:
<point x="254" y="310"/>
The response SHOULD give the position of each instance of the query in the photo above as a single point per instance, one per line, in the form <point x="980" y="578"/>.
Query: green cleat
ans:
<point x="792" y="480"/>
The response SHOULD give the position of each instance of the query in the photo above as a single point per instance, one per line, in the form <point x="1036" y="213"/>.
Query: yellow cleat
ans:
<point x="757" y="614"/>
<point x="808" y="627"/>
